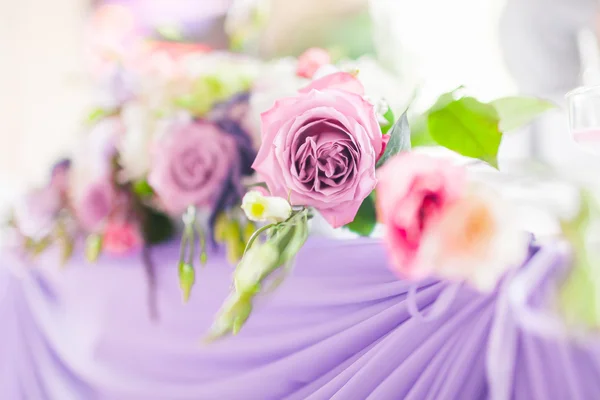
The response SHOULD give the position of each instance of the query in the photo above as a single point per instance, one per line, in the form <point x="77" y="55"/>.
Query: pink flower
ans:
<point x="191" y="163"/>
<point x="311" y="60"/>
<point x="59" y="179"/>
<point x="413" y="192"/>
<point x="121" y="237"/>
<point x="384" y="142"/>
<point x="320" y="148"/>
<point x="91" y="187"/>
<point x="95" y="204"/>
<point x="477" y="239"/>
<point x="338" y="80"/>
<point x="35" y="213"/>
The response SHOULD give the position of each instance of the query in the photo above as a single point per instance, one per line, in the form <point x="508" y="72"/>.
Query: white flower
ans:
<point x="325" y="70"/>
<point x="92" y="159"/>
<point x="265" y="208"/>
<point x="246" y="18"/>
<point x="277" y="80"/>
<point x="477" y="239"/>
<point x="134" y="147"/>
<point x="379" y="83"/>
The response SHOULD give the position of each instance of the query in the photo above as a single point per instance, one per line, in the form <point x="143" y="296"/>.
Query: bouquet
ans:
<point x="170" y="144"/>
<point x="336" y="149"/>
<point x="179" y="141"/>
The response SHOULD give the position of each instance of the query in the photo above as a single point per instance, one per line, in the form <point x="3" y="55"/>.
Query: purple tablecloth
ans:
<point x="341" y="327"/>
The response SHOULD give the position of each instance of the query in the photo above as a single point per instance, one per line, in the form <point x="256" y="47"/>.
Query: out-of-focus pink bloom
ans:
<point x="413" y="192"/>
<point x="311" y="60"/>
<point x="121" y="237"/>
<point x="339" y="80"/>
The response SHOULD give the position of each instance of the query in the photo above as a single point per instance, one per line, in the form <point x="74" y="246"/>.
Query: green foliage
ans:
<point x="389" y="121"/>
<point x="472" y="128"/>
<point x="366" y="217"/>
<point x="580" y="294"/>
<point x="399" y="140"/>
<point x="515" y="112"/>
<point x="142" y="189"/>
<point x="187" y="278"/>
<point x="210" y="89"/>
<point x="466" y="126"/>
<point x="97" y="114"/>
<point x="156" y="227"/>
<point x="93" y="247"/>
<point x="260" y="261"/>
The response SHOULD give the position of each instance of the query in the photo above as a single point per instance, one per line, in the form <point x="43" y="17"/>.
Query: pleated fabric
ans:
<point x="342" y="326"/>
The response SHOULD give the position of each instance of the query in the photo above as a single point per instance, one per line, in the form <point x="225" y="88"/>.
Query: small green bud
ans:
<point x="203" y="257"/>
<point x="187" y="277"/>
<point x="220" y="227"/>
<point x="93" y="247"/>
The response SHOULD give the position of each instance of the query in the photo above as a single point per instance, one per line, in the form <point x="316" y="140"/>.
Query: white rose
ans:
<point x="134" y="148"/>
<point x="277" y="80"/>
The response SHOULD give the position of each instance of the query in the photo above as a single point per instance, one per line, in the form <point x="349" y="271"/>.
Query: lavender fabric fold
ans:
<point x="340" y="327"/>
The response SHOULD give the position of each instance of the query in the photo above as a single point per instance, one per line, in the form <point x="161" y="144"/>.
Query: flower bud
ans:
<point x="93" y="247"/>
<point x="257" y="262"/>
<point x="265" y="208"/>
<point x="187" y="277"/>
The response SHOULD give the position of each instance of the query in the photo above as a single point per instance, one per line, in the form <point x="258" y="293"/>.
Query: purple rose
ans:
<point x="191" y="164"/>
<point x="320" y="148"/>
<point x="95" y="205"/>
<point x="91" y="175"/>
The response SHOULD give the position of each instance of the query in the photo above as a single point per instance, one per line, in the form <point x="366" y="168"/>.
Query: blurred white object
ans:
<point x="541" y="43"/>
<point x="589" y="54"/>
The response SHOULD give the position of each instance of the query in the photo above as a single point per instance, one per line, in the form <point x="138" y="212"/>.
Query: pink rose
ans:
<point x="121" y="237"/>
<point x="191" y="163"/>
<point x="413" y="191"/>
<point x="337" y="80"/>
<point x="477" y="239"/>
<point x="320" y="148"/>
<point x="311" y="60"/>
<point x="90" y="176"/>
<point x="94" y="205"/>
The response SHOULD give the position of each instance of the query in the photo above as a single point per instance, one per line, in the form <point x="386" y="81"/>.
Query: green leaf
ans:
<point x="514" y="112"/>
<point x="156" y="227"/>
<point x="187" y="278"/>
<point x="419" y="134"/>
<point x="170" y="32"/>
<point x="142" y="188"/>
<point x="93" y="247"/>
<point x="399" y="140"/>
<point x="389" y="121"/>
<point x="580" y="293"/>
<point x="97" y="114"/>
<point x="366" y="218"/>
<point x="466" y="126"/>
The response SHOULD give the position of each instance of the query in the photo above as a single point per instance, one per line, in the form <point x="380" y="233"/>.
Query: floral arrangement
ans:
<point x="333" y="149"/>
<point x="170" y="143"/>
<point x="176" y="138"/>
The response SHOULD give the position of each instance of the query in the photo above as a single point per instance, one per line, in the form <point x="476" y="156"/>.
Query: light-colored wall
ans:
<point x="43" y="94"/>
<point x="42" y="91"/>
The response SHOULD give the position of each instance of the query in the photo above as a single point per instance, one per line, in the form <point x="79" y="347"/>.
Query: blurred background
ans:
<point x="493" y="47"/>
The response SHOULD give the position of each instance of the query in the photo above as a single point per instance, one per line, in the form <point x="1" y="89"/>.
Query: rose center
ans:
<point x="326" y="157"/>
<point x="190" y="170"/>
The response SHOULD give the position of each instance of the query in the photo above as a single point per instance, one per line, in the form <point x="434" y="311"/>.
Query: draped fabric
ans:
<point x="342" y="326"/>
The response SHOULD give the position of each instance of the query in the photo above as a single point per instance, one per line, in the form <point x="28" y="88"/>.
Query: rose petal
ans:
<point x="338" y="80"/>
